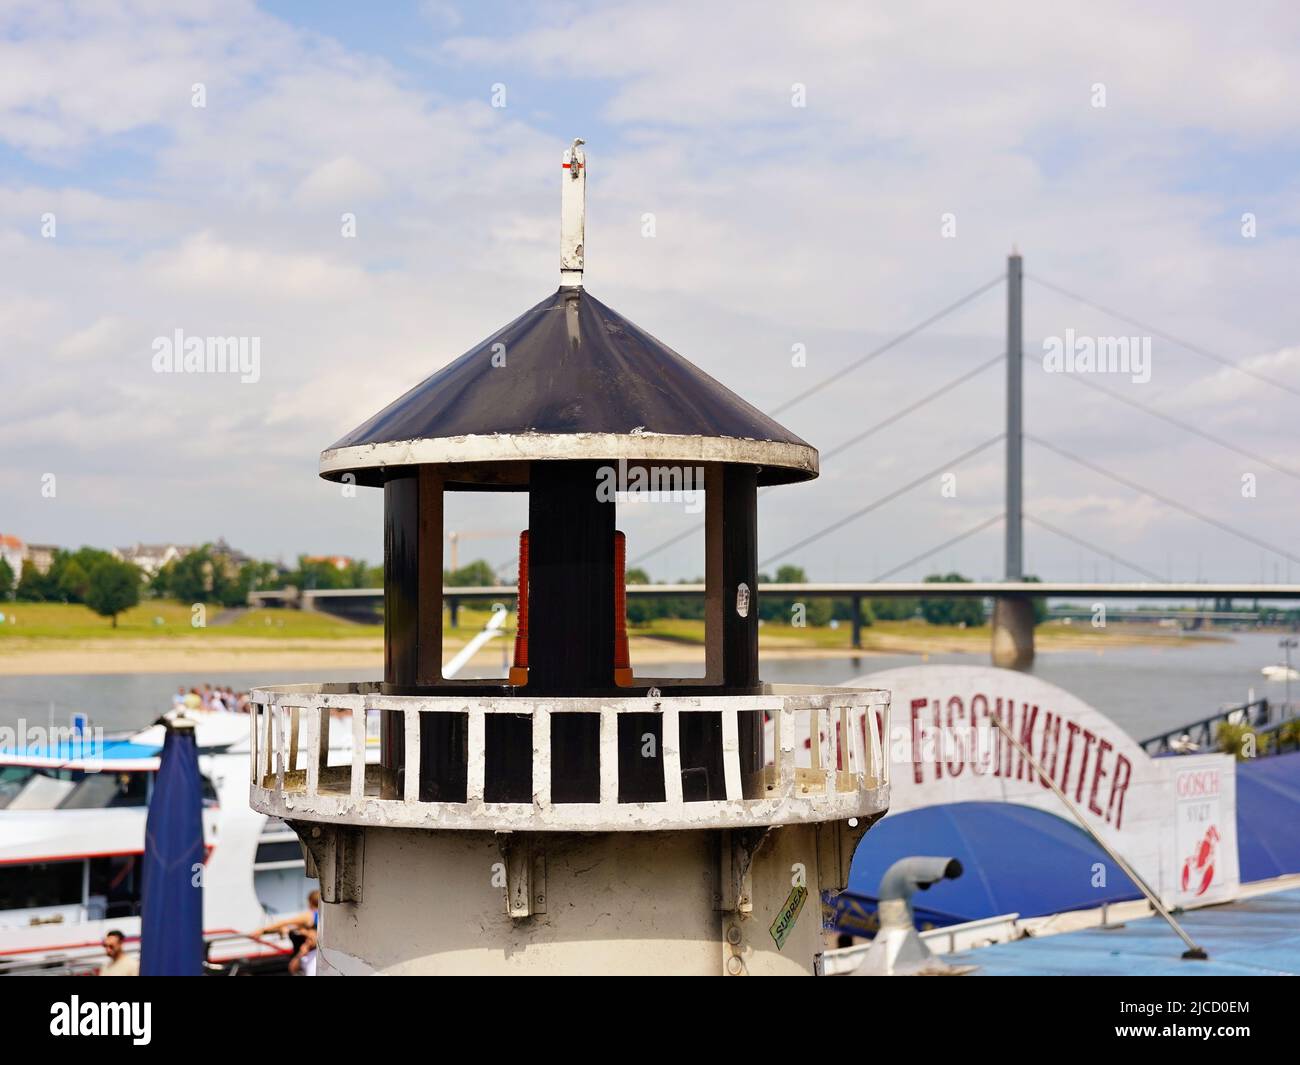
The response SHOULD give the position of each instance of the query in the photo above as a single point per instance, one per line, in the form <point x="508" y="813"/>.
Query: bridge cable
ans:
<point x="1187" y="426"/>
<point x="946" y="544"/>
<point x="1164" y="499"/>
<point x="1222" y="359"/>
<point x="881" y="501"/>
<point x="882" y="424"/>
<point x="1092" y="547"/>
<point x="906" y="334"/>
<point x="899" y="414"/>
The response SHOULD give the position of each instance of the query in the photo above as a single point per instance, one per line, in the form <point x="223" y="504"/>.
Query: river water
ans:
<point x="1145" y="689"/>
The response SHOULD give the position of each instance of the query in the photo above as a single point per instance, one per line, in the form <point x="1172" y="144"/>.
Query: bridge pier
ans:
<point x="1013" y="632"/>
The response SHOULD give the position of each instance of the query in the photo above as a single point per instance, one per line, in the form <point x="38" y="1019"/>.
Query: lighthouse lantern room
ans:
<point x="574" y="816"/>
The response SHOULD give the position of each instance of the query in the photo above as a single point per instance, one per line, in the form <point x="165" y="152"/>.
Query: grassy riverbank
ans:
<point x="160" y="636"/>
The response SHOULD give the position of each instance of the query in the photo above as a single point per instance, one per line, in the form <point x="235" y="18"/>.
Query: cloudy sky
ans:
<point x="1144" y="160"/>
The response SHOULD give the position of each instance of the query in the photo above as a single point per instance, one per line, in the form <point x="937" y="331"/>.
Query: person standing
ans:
<point x="119" y="962"/>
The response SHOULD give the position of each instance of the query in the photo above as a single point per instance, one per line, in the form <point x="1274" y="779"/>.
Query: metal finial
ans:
<point x="573" y="215"/>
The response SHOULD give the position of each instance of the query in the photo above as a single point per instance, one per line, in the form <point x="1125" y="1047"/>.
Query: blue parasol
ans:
<point x="172" y="923"/>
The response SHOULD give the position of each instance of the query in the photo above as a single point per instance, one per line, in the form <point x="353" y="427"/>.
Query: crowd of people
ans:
<point x="211" y="697"/>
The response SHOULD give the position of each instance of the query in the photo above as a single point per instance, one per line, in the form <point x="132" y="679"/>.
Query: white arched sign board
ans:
<point x="1173" y="819"/>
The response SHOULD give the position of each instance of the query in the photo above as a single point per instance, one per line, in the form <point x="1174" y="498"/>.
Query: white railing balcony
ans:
<point x="822" y="760"/>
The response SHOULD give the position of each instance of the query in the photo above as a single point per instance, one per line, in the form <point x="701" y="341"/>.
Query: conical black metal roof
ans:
<point x="569" y="379"/>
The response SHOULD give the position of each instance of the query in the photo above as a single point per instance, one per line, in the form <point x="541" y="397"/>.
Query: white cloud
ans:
<point x="774" y="224"/>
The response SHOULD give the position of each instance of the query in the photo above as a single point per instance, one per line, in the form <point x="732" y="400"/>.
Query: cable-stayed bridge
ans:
<point x="1013" y="615"/>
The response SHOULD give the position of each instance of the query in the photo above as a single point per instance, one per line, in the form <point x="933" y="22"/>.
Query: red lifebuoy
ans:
<point x="1202" y="861"/>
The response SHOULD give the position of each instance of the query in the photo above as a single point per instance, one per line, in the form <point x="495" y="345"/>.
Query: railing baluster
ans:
<point x="268" y="746"/>
<point x="294" y="714"/>
<point x="476" y="771"/>
<point x="785" y="750"/>
<point x="323" y="741"/>
<point x="731" y="780"/>
<point x="311" y="733"/>
<point x="254" y="711"/>
<point x="542" y="754"/>
<point x="411" y="764"/>
<point x="281" y="739"/>
<point x="608" y="755"/>
<point x="670" y="730"/>
<point x="358" y="778"/>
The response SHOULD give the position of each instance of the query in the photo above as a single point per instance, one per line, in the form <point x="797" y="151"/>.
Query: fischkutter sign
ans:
<point x="944" y="748"/>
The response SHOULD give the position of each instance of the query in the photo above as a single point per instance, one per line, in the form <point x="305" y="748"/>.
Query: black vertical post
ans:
<point x="401" y="609"/>
<point x="570" y="613"/>
<point x="570" y="580"/>
<point x="740" y="604"/>
<point x="401" y="579"/>
<point x="740" y="577"/>
<point x="857" y="621"/>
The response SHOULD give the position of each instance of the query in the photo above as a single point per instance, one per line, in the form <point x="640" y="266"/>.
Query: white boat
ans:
<point x="72" y="832"/>
<point x="1281" y="672"/>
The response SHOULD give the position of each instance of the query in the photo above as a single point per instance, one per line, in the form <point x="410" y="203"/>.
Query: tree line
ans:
<point x="109" y="585"/>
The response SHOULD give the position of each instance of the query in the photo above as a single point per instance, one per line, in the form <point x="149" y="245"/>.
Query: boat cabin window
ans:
<point x="115" y="885"/>
<point x="99" y="791"/>
<point x="25" y="887"/>
<point x="24" y="787"/>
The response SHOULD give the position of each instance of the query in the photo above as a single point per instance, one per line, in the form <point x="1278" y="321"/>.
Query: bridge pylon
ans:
<point x="1013" y="616"/>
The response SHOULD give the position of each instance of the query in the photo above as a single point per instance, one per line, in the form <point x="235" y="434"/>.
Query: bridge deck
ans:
<point x="932" y="590"/>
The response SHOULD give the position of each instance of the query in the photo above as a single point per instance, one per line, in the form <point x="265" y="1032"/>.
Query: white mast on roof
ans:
<point x="573" y="214"/>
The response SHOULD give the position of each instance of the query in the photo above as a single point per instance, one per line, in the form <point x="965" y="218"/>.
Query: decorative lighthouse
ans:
<point x="575" y="817"/>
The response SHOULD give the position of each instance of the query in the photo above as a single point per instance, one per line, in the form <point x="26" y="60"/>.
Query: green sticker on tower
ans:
<point x="784" y="923"/>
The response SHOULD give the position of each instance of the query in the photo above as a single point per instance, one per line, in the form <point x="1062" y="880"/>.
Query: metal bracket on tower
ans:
<point x="525" y="862"/>
<point x="737" y="847"/>
<point x="836" y="842"/>
<point x="334" y="855"/>
<point x="573" y="215"/>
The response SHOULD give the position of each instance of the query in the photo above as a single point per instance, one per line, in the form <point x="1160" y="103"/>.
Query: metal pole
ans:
<point x="1015" y="444"/>
<point x="1286" y="644"/>
<point x="1193" y="952"/>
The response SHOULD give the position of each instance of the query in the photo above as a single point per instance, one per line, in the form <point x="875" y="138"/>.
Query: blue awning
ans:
<point x="1268" y="811"/>
<point x="85" y="748"/>
<point x="1015" y="859"/>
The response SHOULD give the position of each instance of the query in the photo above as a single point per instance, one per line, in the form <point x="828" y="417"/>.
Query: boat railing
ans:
<point x="1262" y="716"/>
<point x="837" y="732"/>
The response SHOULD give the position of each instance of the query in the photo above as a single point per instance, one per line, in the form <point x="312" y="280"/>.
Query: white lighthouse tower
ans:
<point x="575" y="817"/>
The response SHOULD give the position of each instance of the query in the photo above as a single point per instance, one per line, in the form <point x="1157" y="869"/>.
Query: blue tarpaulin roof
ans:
<point x="1014" y="859"/>
<point x="1268" y="813"/>
<point x="76" y="748"/>
<point x="1258" y="936"/>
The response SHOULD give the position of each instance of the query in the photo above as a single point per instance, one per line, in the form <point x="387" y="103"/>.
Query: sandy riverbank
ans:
<point x="211" y="654"/>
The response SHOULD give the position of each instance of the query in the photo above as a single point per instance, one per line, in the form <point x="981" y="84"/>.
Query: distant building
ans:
<point x="12" y="550"/>
<point x="151" y="557"/>
<point x="339" y="562"/>
<point x="41" y="556"/>
<point x="229" y="559"/>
